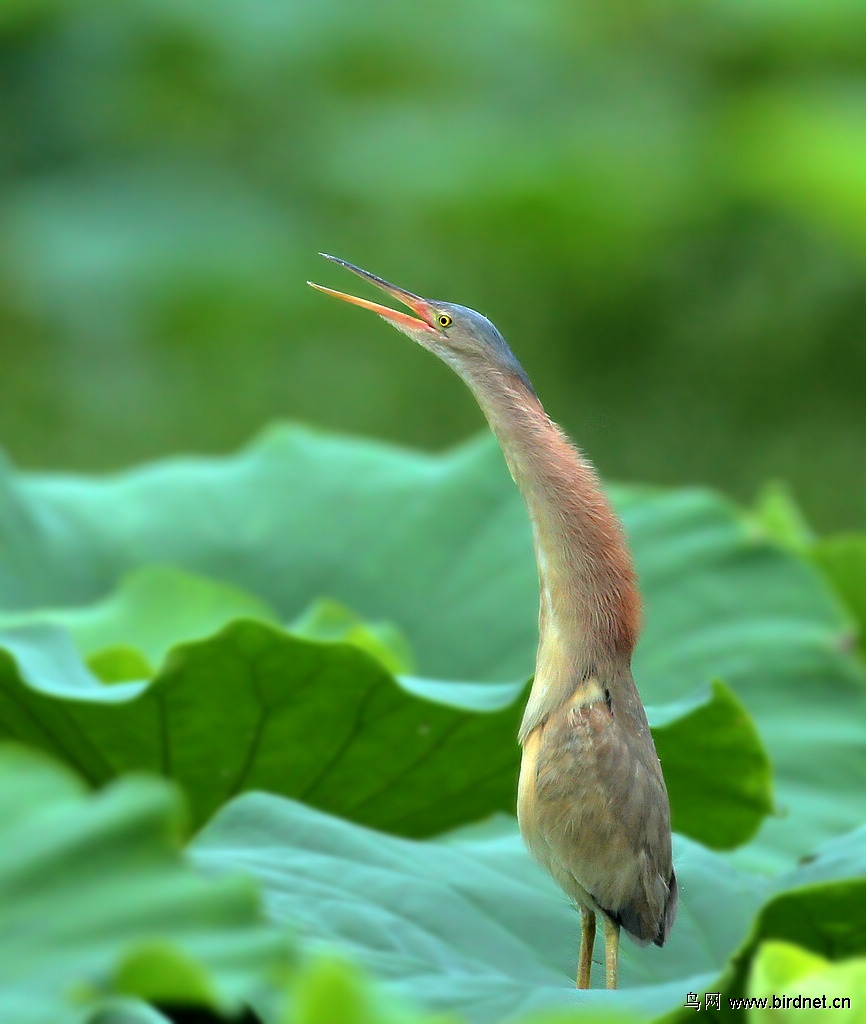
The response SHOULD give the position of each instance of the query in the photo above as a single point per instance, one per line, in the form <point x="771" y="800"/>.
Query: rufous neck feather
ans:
<point x="589" y="604"/>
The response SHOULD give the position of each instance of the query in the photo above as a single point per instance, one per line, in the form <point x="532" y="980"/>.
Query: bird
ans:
<point x="592" y="805"/>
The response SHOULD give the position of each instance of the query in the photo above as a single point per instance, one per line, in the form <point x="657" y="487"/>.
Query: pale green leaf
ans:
<point x="152" y="609"/>
<point x="92" y="886"/>
<point x="796" y="984"/>
<point x="469" y="925"/>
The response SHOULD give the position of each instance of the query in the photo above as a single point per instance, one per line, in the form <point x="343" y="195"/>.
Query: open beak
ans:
<point x="422" y="309"/>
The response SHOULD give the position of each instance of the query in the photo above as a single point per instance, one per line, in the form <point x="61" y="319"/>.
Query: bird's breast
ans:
<point x="556" y="783"/>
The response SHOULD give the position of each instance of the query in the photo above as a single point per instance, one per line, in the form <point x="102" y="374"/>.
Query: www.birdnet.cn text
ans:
<point x="713" y="1001"/>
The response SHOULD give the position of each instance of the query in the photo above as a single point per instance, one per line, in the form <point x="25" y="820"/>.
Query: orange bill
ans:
<point x="419" y="306"/>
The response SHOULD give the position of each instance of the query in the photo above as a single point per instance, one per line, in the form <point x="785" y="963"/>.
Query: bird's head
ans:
<point x="459" y="336"/>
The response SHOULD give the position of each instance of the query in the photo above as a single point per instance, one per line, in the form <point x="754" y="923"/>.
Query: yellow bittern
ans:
<point x="592" y="803"/>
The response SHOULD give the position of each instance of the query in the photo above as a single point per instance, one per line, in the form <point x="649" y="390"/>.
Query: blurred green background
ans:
<point x="662" y="206"/>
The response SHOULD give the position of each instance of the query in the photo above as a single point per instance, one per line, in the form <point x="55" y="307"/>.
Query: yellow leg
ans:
<point x="611" y="950"/>
<point x="587" y="942"/>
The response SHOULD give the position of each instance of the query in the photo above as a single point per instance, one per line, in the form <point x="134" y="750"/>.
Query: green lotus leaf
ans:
<point x="791" y="980"/>
<point x="152" y="609"/>
<point x="93" y="887"/>
<point x="843" y="560"/>
<point x="717" y="771"/>
<point x="818" y="906"/>
<point x="468" y="925"/>
<point x="299" y="516"/>
<point x="255" y="708"/>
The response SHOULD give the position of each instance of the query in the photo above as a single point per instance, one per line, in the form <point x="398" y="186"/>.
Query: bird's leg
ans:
<point x="587" y="942"/>
<point x="611" y="950"/>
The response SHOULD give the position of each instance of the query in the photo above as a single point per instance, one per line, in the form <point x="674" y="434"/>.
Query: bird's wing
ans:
<point x="600" y="813"/>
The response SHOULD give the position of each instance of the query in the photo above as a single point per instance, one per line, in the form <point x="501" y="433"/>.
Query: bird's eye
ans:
<point x="443" y="320"/>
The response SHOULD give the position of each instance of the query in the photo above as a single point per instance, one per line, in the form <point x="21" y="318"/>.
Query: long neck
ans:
<point x="589" y="612"/>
